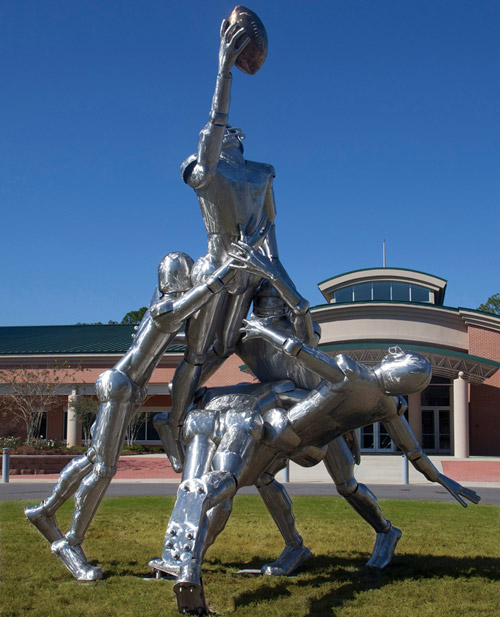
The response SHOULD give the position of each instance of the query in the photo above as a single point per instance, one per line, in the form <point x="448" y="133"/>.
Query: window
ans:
<point x="419" y="294"/>
<point x="381" y="290"/>
<point x="343" y="295"/>
<point x="147" y="431"/>
<point x="400" y="292"/>
<point x="362" y="292"/>
<point x="394" y="291"/>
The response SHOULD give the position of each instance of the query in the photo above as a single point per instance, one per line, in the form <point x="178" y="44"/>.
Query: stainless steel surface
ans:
<point x="304" y="406"/>
<point x="121" y="391"/>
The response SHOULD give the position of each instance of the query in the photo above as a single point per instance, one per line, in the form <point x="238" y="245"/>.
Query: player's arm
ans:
<point x="179" y="309"/>
<point x="247" y="258"/>
<point x="402" y="435"/>
<point x="210" y="139"/>
<point x="313" y="359"/>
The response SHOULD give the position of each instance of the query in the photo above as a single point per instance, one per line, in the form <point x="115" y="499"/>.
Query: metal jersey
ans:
<point x="234" y="195"/>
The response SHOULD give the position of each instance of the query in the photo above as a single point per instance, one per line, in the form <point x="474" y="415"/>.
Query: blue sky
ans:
<point x="380" y="117"/>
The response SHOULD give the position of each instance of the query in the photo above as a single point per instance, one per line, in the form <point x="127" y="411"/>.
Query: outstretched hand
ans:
<point x="458" y="491"/>
<point x="247" y="258"/>
<point x="253" y="328"/>
<point x="232" y="44"/>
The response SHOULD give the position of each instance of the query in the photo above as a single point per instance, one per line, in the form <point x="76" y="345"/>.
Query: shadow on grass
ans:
<point x="352" y="580"/>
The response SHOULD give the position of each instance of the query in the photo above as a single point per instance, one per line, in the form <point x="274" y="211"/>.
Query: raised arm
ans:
<point x="402" y="435"/>
<point x="210" y="139"/>
<point x="313" y="359"/>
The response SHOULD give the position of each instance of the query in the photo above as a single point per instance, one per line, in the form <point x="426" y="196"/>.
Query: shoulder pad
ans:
<point x="187" y="166"/>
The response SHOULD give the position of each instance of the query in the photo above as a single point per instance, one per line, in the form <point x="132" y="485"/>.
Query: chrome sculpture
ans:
<point x="271" y="366"/>
<point x="305" y="408"/>
<point x="235" y="434"/>
<point x="233" y="194"/>
<point x="121" y="391"/>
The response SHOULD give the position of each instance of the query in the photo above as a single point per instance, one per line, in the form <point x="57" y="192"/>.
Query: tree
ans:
<point x="29" y="392"/>
<point x="136" y="423"/>
<point x="97" y="323"/>
<point x="492" y="305"/>
<point x="134" y="317"/>
<point x="86" y="409"/>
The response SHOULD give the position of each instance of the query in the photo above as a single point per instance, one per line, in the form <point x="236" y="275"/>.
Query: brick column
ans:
<point x="461" y="416"/>
<point x="415" y="414"/>
<point x="73" y="427"/>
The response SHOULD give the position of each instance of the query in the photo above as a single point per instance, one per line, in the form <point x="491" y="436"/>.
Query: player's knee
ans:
<point x="249" y="423"/>
<point x="200" y="423"/>
<point x="160" y="420"/>
<point x="264" y="480"/>
<point x="348" y="488"/>
<point x="115" y="386"/>
<point x="91" y="454"/>
<point x="104" y="471"/>
<point x="194" y="358"/>
<point x="414" y="455"/>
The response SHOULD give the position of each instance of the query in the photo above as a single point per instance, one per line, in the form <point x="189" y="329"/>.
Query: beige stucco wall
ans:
<point x="424" y="325"/>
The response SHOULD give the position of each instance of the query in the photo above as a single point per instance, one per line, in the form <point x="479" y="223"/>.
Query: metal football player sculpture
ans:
<point x="305" y="407"/>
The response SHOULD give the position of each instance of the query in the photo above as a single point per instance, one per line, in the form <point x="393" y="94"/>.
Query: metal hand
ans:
<point x="458" y="491"/>
<point x="248" y="259"/>
<point x="258" y="236"/>
<point x="230" y="46"/>
<point x="253" y="328"/>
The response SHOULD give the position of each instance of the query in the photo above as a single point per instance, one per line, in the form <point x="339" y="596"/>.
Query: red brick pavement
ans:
<point x="128" y="468"/>
<point x="132" y="467"/>
<point x="472" y="471"/>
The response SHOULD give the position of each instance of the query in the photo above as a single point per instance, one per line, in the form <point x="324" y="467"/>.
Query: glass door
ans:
<point x="375" y="438"/>
<point x="436" y="429"/>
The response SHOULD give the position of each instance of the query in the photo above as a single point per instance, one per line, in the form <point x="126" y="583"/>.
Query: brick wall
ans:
<point x="484" y="410"/>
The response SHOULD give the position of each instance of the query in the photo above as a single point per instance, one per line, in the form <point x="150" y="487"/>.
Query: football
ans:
<point x="253" y="56"/>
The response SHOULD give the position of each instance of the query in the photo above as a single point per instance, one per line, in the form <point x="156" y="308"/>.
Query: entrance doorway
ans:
<point x="436" y="429"/>
<point x="375" y="438"/>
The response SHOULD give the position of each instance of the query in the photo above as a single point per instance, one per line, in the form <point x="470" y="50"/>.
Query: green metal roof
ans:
<point x="78" y="339"/>
<point x="419" y="348"/>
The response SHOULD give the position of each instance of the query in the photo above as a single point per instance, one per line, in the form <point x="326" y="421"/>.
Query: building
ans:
<point x="82" y="353"/>
<point x="367" y="311"/>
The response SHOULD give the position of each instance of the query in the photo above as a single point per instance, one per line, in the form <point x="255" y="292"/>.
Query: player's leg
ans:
<point x="279" y="505"/>
<point x="200" y="334"/>
<point x="340" y="465"/>
<point x="43" y="515"/>
<point x="119" y="397"/>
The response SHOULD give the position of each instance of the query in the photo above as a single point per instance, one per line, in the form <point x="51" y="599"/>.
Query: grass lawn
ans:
<point x="447" y="563"/>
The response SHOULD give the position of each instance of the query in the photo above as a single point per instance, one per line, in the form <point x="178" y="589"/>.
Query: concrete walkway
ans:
<point x="150" y="475"/>
<point x="374" y="469"/>
<point x="387" y="469"/>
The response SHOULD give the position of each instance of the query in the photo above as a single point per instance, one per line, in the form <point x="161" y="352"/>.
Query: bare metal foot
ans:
<point x="384" y="548"/>
<point x="289" y="560"/>
<point x="74" y="559"/>
<point x="46" y="525"/>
